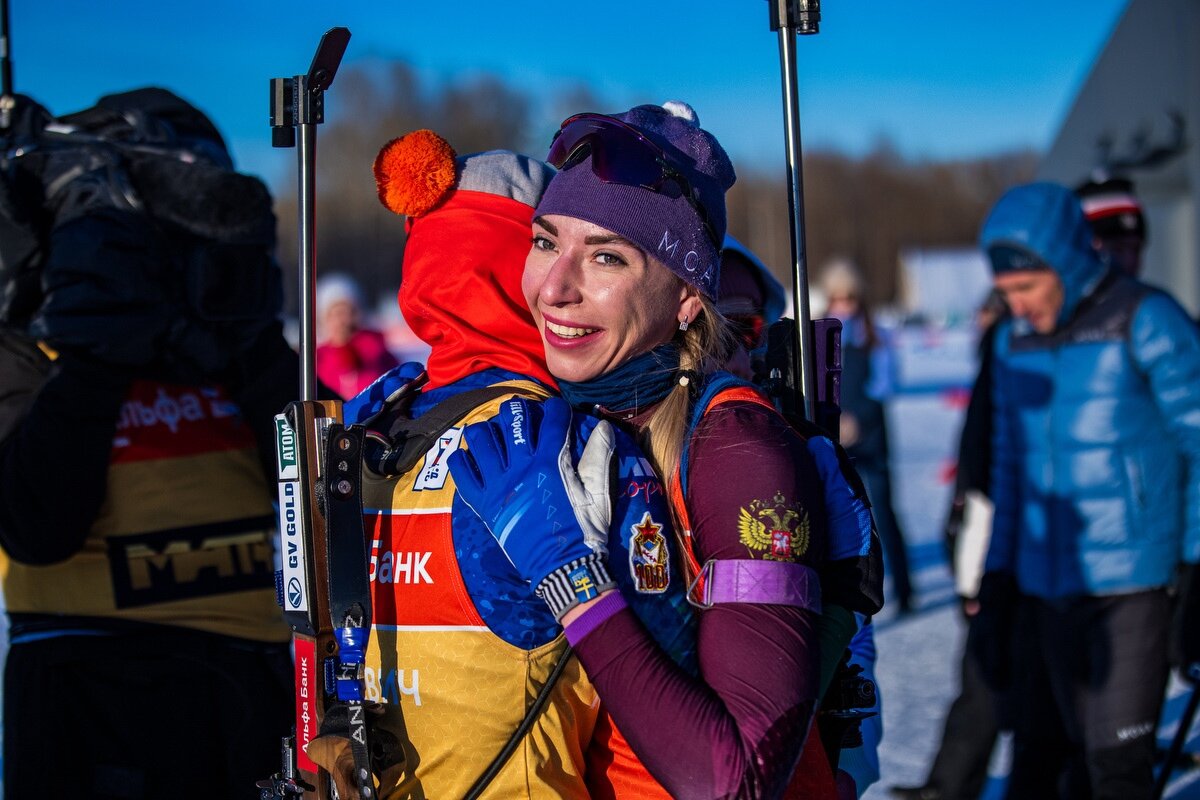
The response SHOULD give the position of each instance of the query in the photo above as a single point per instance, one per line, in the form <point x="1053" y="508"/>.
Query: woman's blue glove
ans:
<point x="549" y="515"/>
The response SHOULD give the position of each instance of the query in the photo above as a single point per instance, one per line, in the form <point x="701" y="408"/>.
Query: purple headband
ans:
<point x="668" y="228"/>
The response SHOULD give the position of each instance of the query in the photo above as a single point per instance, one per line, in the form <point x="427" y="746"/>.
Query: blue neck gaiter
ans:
<point x="635" y="385"/>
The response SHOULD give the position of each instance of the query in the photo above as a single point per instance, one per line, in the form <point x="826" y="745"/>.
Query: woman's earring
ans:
<point x="683" y="323"/>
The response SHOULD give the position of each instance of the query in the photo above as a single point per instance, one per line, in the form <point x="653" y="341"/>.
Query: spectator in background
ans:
<point x="349" y="356"/>
<point x="1095" y="470"/>
<point x="750" y="298"/>
<point x="1117" y="221"/>
<point x="867" y="381"/>
<point x="959" y="770"/>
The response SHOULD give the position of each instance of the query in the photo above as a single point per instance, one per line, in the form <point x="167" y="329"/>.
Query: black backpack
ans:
<point x="126" y="234"/>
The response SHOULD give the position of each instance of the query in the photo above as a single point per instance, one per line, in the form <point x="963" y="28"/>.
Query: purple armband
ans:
<point x="780" y="583"/>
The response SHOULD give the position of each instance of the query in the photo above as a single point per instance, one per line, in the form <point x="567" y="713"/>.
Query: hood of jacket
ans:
<point x="460" y="289"/>
<point x="1042" y="225"/>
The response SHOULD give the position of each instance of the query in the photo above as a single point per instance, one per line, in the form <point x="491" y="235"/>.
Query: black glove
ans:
<point x="103" y="282"/>
<point x="1187" y="619"/>
<point x="262" y="378"/>
<point x="261" y="354"/>
<point x="990" y="631"/>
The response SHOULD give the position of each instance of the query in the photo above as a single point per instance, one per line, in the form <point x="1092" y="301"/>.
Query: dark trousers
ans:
<point x="960" y="768"/>
<point x="176" y="716"/>
<point x="895" y="554"/>
<point x="1088" y="687"/>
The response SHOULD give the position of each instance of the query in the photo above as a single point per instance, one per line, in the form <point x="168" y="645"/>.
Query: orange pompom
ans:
<point x="413" y="173"/>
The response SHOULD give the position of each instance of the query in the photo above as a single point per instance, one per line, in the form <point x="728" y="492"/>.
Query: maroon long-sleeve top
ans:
<point x="737" y="729"/>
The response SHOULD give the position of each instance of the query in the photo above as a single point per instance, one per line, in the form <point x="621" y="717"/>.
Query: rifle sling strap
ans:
<point x="408" y="440"/>
<point x="535" y="708"/>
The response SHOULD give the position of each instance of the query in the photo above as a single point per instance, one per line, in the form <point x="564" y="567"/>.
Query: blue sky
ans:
<point x="937" y="78"/>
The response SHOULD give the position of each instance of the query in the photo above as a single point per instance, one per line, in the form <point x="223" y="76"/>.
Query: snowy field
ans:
<point x="919" y="654"/>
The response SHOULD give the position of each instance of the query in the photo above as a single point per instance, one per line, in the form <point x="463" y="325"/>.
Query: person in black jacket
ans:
<point x="1117" y="220"/>
<point x="148" y="657"/>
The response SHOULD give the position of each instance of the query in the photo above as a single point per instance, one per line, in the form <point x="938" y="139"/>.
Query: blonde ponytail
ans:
<point x="702" y="350"/>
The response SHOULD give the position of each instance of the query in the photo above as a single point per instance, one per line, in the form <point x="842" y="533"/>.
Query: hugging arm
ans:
<point x="745" y="715"/>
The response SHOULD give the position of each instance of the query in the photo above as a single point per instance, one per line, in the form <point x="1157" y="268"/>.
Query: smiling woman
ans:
<point x="598" y="298"/>
<point x="621" y="279"/>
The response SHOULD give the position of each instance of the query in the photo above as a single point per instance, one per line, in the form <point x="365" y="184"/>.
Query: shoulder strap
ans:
<point x="721" y="388"/>
<point x="408" y="440"/>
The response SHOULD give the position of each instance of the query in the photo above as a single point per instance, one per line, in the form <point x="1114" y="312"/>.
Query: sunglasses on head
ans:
<point x="622" y="154"/>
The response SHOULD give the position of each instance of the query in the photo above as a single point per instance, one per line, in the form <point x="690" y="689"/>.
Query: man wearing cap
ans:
<point x="1118" y="223"/>
<point x="1096" y="484"/>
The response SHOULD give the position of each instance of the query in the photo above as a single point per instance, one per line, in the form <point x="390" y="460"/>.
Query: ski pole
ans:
<point x="299" y="102"/>
<point x="798" y="373"/>
<point x="1181" y="733"/>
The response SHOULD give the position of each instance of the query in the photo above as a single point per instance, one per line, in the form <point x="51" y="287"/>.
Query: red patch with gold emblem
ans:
<point x="774" y="529"/>
<point x="649" y="558"/>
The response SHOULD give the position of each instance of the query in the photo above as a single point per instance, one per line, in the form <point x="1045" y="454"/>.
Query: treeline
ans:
<point x="866" y="209"/>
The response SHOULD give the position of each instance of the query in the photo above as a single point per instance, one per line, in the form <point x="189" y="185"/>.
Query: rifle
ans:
<point x="323" y="585"/>
<point x="802" y="362"/>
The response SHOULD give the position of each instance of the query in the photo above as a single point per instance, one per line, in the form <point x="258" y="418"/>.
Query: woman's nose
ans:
<point x="561" y="283"/>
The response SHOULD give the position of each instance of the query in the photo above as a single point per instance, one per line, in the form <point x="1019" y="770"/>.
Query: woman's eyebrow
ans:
<point x="607" y="238"/>
<point x="610" y="238"/>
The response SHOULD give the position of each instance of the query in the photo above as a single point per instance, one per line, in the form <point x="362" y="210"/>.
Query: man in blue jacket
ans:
<point x="1096" y="484"/>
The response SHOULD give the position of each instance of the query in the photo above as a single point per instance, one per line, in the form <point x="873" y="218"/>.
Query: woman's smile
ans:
<point x="567" y="333"/>
<point x="597" y="298"/>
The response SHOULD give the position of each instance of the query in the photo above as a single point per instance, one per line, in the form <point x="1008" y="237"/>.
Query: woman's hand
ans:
<point x="549" y="515"/>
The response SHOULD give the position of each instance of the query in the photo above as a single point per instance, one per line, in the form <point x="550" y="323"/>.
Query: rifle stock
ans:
<point x="775" y="371"/>
<point x="303" y="542"/>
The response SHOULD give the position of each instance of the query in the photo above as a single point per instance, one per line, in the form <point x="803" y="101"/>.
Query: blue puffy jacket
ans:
<point x="1096" y="474"/>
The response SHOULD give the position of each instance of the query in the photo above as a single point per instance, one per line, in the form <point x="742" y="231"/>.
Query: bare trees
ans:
<point x="865" y="208"/>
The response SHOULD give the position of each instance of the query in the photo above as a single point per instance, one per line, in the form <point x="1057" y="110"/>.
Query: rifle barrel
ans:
<point x="307" y="156"/>
<point x="804" y="367"/>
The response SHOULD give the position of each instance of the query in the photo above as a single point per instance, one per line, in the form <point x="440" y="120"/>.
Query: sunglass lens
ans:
<point x="748" y="329"/>
<point x="618" y="154"/>
<point x="568" y="141"/>
<point x="620" y="157"/>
